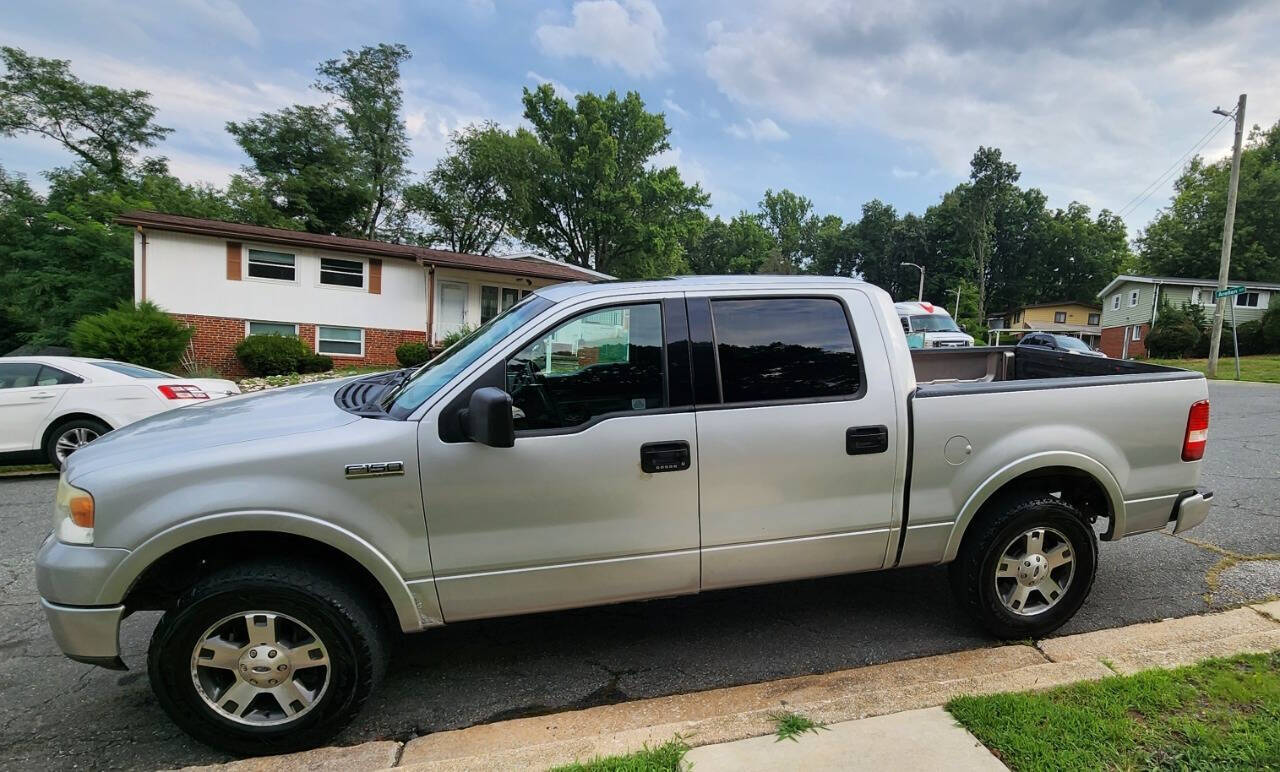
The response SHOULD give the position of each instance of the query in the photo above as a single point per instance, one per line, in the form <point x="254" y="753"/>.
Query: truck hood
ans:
<point x="241" y="419"/>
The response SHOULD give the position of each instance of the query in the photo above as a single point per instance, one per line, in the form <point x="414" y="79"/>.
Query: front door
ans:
<point x="799" y="455"/>
<point x="597" y="501"/>
<point x="453" y="307"/>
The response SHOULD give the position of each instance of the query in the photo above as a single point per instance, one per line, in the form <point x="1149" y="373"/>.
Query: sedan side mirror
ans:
<point x="488" y="418"/>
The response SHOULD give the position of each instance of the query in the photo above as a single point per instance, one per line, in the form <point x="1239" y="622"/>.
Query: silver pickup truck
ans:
<point x="599" y="443"/>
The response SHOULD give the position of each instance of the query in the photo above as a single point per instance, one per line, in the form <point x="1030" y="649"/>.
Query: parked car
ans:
<point x="599" y="443"/>
<point x="52" y="406"/>
<point x="1064" y="344"/>
<point x="933" y="323"/>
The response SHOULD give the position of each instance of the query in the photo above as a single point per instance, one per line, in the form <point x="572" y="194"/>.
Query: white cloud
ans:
<point x="224" y="15"/>
<point x="672" y="107"/>
<point x="763" y="130"/>
<point x="562" y="91"/>
<point x="627" y="34"/>
<point x="1090" y="101"/>
<point x="903" y="174"/>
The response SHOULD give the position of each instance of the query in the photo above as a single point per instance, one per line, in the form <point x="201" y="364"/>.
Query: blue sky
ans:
<point x="842" y="102"/>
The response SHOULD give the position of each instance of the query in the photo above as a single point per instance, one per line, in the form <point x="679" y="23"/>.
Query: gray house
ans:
<point x="1130" y="304"/>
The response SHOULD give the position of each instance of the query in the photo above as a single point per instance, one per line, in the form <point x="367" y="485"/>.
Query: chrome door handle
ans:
<point x="42" y="395"/>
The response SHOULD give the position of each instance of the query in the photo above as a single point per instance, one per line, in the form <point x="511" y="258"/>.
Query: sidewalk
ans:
<point x="720" y="723"/>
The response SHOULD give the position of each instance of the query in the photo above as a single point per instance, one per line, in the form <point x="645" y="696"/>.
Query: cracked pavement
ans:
<point x="57" y="714"/>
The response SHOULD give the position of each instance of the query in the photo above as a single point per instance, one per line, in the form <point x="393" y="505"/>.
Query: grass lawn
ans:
<point x="26" y="469"/>
<point x="1219" y="714"/>
<point x="664" y="758"/>
<point x="1264" y="368"/>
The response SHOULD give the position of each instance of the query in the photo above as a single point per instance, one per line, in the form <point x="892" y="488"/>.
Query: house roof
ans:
<point x="1058" y="303"/>
<point x="424" y="255"/>
<point x="1124" y="277"/>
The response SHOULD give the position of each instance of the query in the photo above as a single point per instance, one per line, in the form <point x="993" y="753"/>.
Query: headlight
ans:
<point x="72" y="514"/>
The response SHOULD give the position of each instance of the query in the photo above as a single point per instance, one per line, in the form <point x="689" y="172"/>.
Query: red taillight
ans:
<point x="1197" y="431"/>
<point x="183" y="392"/>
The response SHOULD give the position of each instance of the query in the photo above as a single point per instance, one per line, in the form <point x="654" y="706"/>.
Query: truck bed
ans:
<point x="999" y="368"/>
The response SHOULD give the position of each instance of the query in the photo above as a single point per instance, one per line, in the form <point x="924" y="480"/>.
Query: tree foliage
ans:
<point x="102" y="126"/>
<point x="1185" y="238"/>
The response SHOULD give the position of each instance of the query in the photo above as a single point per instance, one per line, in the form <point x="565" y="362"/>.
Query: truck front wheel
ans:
<point x="265" y="657"/>
<point x="1027" y="566"/>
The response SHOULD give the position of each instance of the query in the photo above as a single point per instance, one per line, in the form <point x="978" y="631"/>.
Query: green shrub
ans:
<point x="142" y="334"/>
<point x="455" y="336"/>
<point x="315" y="363"/>
<point x="412" y="354"/>
<point x="1271" y="331"/>
<point x="271" y="354"/>
<point x="1175" y="339"/>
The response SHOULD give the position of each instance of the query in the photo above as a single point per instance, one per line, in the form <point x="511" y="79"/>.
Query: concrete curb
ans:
<point x="740" y="712"/>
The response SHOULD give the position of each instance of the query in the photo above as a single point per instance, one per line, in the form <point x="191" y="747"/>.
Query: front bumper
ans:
<point x="90" y="635"/>
<point x="1191" y="510"/>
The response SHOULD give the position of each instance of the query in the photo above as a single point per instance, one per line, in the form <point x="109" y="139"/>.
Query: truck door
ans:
<point x="598" y="499"/>
<point x="798" y="446"/>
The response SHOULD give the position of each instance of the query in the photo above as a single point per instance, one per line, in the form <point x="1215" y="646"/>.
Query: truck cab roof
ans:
<point x="567" y="290"/>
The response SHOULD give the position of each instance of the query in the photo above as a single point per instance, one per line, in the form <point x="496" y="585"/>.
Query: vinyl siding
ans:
<point x="1076" y="314"/>
<point x="1126" y="314"/>
<point x="1177" y="294"/>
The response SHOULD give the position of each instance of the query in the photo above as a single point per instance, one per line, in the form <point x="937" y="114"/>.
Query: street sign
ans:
<point x="1228" y="292"/>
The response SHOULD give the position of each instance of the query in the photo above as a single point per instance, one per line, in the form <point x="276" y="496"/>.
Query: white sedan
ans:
<point x="51" y="406"/>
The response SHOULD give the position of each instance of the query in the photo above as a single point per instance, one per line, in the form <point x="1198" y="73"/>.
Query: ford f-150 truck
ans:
<point x="599" y="443"/>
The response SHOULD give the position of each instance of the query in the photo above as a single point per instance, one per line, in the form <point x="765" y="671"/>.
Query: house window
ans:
<point x="1137" y="332"/>
<point x="1095" y="319"/>
<point x="340" y="341"/>
<point x="488" y="303"/>
<point x="1060" y="317"/>
<point x="270" y="265"/>
<point x="272" y="328"/>
<point x="1247" y="300"/>
<point x="510" y="296"/>
<point x="1133" y="299"/>
<point x="341" y="273"/>
<point x="1115" y="302"/>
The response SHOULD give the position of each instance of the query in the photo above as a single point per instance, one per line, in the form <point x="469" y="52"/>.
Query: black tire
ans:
<point x="51" y="440"/>
<point x="346" y="621"/>
<point x="973" y="573"/>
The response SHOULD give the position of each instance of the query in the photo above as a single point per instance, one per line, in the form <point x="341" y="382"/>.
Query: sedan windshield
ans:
<point x="133" y="371"/>
<point x="933" y="323"/>
<point x="1068" y="342"/>
<point x="432" y="376"/>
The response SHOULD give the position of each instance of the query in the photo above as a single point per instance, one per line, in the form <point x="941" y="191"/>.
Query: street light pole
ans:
<point x="920" y="293"/>
<point x="1224" y="267"/>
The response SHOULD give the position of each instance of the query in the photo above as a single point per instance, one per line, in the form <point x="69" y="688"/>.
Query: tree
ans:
<point x="990" y="180"/>
<point x="1185" y="238"/>
<point x="367" y="85"/>
<point x="102" y="126"/>
<point x="741" y="245"/>
<point x="596" y="199"/>
<point x="787" y="216"/>
<point x="304" y="169"/>
<point x="479" y="191"/>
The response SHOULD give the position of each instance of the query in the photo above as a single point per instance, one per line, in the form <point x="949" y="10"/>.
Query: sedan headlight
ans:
<point x="72" y="514"/>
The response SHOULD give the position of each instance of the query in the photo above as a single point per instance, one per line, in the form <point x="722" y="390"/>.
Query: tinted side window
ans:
<point x="784" y="348"/>
<point x="52" y="376"/>
<point x="17" y="375"/>
<point x="605" y="361"/>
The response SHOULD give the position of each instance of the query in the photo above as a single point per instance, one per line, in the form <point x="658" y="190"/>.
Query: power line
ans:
<point x="1147" y="192"/>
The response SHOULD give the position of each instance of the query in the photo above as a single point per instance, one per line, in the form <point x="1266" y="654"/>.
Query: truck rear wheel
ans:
<point x="264" y="658"/>
<point x="1027" y="567"/>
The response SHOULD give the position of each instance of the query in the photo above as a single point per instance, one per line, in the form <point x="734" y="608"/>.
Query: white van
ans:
<point x="933" y="322"/>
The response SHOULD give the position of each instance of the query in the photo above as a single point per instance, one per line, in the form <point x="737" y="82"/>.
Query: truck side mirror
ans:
<point x="488" y="418"/>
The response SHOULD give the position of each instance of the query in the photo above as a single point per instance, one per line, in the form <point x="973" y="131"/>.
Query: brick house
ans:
<point x="351" y="299"/>
<point x="1131" y="304"/>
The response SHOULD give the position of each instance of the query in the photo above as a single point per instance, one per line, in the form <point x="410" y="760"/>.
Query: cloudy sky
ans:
<point x="840" y="101"/>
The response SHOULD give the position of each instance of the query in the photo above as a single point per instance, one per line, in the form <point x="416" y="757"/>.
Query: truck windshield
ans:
<point x="933" y="323"/>
<point x="432" y="376"/>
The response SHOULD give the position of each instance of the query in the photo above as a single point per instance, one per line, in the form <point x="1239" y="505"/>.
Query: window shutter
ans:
<point x="375" y="275"/>
<point x="233" y="261"/>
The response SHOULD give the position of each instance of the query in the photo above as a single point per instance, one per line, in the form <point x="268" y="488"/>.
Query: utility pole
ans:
<point x="956" y="315"/>
<point x="1224" y="268"/>
<point x="920" y="293"/>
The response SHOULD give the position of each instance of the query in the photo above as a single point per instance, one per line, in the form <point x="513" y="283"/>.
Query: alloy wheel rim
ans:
<point x="72" y="440"/>
<point x="260" y="668"/>
<point x="1035" y="571"/>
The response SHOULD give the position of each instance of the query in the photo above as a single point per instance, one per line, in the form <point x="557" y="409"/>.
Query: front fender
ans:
<point x="1032" y="463"/>
<point x="416" y="604"/>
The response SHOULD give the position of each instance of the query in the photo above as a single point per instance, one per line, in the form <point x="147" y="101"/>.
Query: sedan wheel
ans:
<point x="72" y="440"/>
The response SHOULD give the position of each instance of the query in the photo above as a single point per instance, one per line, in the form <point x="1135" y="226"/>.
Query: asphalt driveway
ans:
<point x="56" y="714"/>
